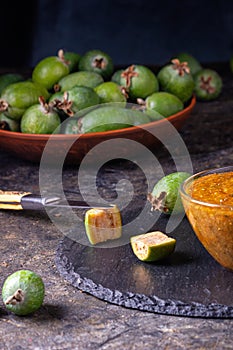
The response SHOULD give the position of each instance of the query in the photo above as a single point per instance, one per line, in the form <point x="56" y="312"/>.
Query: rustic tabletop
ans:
<point x="72" y="319"/>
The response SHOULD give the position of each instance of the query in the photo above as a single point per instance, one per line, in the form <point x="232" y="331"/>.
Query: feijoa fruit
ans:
<point x="84" y="78"/>
<point x="23" y="292"/>
<point x="165" y="195"/>
<point x="208" y="84"/>
<point x="110" y="92"/>
<point x="17" y="97"/>
<point x="177" y="79"/>
<point x="50" y="70"/>
<point x="139" y="81"/>
<point x="164" y="103"/>
<point x="111" y="118"/>
<point x="7" y="123"/>
<point x="152" y="246"/>
<point x="97" y="61"/>
<point x="40" y="118"/>
<point x="193" y="63"/>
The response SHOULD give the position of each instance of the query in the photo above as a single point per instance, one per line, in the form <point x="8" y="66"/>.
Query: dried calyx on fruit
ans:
<point x="139" y="81"/>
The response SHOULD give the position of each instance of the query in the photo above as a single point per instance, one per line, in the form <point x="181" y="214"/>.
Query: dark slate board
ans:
<point x="188" y="283"/>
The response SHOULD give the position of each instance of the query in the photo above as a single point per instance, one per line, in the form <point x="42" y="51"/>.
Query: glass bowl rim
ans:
<point x="215" y="170"/>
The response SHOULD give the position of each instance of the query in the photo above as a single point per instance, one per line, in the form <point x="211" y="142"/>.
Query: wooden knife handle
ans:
<point x="11" y="199"/>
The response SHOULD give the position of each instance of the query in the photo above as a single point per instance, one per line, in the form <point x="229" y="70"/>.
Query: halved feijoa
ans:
<point x="103" y="224"/>
<point x="152" y="246"/>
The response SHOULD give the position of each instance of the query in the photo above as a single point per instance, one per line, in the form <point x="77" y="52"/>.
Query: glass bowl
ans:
<point x="207" y="198"/>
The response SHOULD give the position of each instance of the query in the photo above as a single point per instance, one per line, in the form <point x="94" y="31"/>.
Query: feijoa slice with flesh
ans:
<point x="23" y="292"/>
<point x="103" y="224"/>
<point x="152" y="246"/>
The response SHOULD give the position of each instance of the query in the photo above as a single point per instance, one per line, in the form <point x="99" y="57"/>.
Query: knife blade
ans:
<point x="17" y="200"/>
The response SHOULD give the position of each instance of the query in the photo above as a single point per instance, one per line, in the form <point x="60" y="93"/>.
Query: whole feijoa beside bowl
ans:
<point x="207" y="84"/>
<point x="193" y="63"/>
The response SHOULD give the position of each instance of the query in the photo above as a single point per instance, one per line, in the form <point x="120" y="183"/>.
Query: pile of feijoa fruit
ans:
<point x="72" y="93"/>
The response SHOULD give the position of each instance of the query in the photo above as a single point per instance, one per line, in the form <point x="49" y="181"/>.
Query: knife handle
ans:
<point x="12" y="199"/>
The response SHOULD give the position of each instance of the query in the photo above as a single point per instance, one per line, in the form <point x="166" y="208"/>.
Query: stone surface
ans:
<point x="72" y="319"/>
<point x="188" y="283"/>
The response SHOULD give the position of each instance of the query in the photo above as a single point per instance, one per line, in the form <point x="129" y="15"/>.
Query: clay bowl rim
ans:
<point x="100" y="134"/>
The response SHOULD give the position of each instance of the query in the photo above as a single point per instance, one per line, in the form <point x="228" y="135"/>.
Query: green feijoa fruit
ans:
<point x="17" y="97"/>
<point x="23" y="292"/>
<point x="165" y="195"/>
<point x="70" y="126"/>
<point x="152" y="246"/>
<point x="139" y="81"/>
<point x="110" y="92"/>
<point x="7" y="123"/>
<point x="116" y="77"/>
<point x="9" y="78"/>
<point x="177" y="79"/>
<point x="82" y="97"/>
<point x="164" y="103"/>
<point x="208" y="84"/>
<point x="72" y="59"/>
<point x="111" y="118"/>
<point x="97" y="61"/>
<point x="194" y="65"/>
<point x="50" y="70"/>
<point x="89" y="79"/>
<point x="40" y="119"/>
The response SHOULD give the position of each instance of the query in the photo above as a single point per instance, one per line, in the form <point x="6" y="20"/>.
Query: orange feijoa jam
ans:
<point x="216" y="188"/>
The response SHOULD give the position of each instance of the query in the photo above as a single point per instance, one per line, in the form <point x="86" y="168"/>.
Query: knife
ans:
<point x="26" y="200"/>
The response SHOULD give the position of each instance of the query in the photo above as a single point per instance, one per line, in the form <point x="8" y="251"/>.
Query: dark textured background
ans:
<point x="130" y="31"/>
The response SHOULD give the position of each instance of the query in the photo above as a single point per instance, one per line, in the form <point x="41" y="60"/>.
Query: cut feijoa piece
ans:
<point x="103" y="224"/>
<point x="152" y="246"/>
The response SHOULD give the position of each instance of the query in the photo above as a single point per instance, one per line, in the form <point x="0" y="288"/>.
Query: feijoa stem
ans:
<point x="157" y="203"/>
<point x="16" y="298"/>
<point x="3" y="105"/>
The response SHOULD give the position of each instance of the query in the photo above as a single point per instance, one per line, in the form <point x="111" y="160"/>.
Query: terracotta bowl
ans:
<point x="31" y="146"/>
